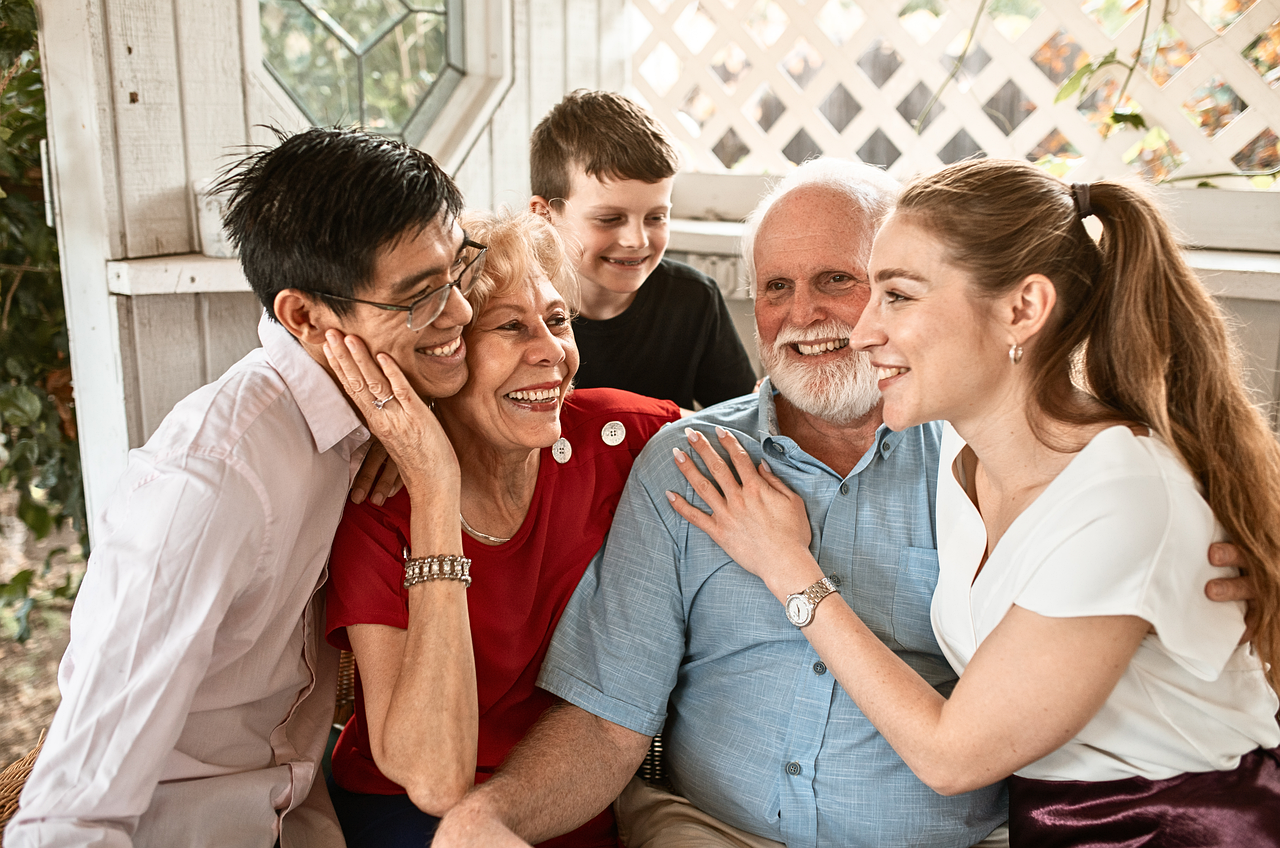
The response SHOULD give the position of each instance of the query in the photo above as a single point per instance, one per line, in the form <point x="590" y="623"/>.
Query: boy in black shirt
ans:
<point x="602" y="171"/>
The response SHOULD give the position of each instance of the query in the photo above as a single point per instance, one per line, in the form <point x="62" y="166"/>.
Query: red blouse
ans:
<point x="518" y="591"/>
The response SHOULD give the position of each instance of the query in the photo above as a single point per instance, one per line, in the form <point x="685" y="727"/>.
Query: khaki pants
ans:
<point x="651" y="817"/>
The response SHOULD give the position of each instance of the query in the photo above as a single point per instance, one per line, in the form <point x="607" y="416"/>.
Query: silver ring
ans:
<point x="378" y="404"/>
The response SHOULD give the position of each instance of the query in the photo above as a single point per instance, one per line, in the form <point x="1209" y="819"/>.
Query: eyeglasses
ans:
<point x="427" y="308"/>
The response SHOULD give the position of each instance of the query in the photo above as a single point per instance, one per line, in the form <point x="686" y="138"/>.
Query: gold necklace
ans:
<point x="474" y="532"/>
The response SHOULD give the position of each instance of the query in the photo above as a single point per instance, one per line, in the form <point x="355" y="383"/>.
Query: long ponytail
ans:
<point x="1136" y="327"/>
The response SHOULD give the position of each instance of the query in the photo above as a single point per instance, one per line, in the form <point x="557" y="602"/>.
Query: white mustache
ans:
<point x="829" y="330"/>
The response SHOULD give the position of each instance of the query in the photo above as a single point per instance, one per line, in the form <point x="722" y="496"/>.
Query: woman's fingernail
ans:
<point x="721" y="432"/>
<point x="691" y="434"/>
<point x="679" y="455"/>
<point x="764" y="466"/>
<point x="671" y="497"/>
<point x="357" y="495"/>
<point x="377" y="499"/>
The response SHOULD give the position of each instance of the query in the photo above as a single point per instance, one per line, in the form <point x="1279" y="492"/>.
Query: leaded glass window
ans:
<point x="387" y="65"/>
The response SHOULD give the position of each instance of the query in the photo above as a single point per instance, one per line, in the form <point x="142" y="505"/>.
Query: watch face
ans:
<point x="799" y="610"/>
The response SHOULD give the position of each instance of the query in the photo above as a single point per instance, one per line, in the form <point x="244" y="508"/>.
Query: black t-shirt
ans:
<point x="675" y="341"/>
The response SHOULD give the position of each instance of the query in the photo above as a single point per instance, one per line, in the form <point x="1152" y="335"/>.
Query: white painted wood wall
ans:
<point x="144" y="97"/>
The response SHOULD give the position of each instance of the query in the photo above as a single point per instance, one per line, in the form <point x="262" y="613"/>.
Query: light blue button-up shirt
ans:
<point x="665" y="629"/>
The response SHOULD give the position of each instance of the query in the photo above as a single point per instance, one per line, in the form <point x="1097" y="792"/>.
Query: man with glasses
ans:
<point x="198" y="690"/>
<point x="427" y="308"/>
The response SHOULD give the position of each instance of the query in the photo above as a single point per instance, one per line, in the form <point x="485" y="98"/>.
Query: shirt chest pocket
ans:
<point x="912" y="597"/>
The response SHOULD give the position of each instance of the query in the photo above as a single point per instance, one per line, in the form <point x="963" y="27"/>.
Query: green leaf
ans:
<point x="1132" y="119"/>
<point x="36" y="516"/>
<point x="1081" y="77"/>
<point x="5" y="133"/>
<point x="18" y="587"/>
<point x="1073" y="83"/>
<point x="20" y="406"/>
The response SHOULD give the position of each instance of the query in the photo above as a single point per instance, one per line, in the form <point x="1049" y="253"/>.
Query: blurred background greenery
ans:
<point x="39" y="454"/>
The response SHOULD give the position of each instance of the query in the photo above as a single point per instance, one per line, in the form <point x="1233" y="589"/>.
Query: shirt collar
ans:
<point x="885" y="444"/>
<point x="323" y="404"/>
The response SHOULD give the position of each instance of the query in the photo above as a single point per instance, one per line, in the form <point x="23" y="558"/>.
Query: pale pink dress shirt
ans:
<point x="198" y="690"/>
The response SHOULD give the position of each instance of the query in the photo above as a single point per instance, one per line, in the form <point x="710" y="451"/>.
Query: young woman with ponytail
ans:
<point x="1101" y="436"/>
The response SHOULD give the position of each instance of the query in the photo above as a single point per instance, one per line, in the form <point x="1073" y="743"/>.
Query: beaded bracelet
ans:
<point x="441" y="567"/>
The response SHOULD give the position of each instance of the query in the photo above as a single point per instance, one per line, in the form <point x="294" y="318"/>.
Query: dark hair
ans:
<point x="314" y="212"/>
<point x="1144" y="336"/>
<point x="606" y="135"/>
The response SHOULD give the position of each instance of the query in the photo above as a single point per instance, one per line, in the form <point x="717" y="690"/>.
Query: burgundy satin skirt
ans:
<point x="1217" y="809"/>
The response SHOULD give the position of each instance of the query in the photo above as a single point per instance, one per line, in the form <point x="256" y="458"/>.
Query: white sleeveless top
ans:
<point x="1123" y="530"/>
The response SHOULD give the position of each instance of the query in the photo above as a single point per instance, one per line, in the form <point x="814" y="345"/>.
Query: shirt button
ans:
<point x="777" y="448"/>
<point x="819" y="667"/>
<point x="844" y="488"/>
<point x="561" y="451"/>
<point x="613" y="433"/>
<point x="885" y="447"/>
<point x="793" y="769"/>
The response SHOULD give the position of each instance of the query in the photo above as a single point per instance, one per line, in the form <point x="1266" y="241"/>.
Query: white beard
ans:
<point x="839" y="391"/>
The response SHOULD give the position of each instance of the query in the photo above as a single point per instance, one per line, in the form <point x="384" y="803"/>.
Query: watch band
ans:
<point x="820" y="590"/>
<point x="802" y="605"/>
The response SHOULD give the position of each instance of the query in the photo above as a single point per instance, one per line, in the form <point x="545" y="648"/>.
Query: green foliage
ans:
<point x="39" y="456"/>
<point x="18" y="34"/>
<point x="1112" y="15"/>
<point x="1080" y="79"/>
<point x="1020" y="8"/>
<point x="1056" y="165"/>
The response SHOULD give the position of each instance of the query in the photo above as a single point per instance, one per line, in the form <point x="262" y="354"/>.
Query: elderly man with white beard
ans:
<point x="666" y="632"/>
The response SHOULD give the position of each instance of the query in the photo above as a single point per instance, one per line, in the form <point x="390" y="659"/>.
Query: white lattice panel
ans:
<point x="755" y="85"/>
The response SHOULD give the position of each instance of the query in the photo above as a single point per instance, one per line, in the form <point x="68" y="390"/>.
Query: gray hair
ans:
<point x="866" y="186"/>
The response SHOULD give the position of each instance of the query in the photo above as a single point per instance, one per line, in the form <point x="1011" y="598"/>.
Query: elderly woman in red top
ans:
<point x="445" y="673"/>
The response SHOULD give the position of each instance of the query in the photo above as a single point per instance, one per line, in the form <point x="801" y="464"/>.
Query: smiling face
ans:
<point x="617" y="233"/>
<point x="934" y="342"/>
<point x="433" y="358"/>
<point x="522" y="358"/>
<point x="811" y="286"/>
